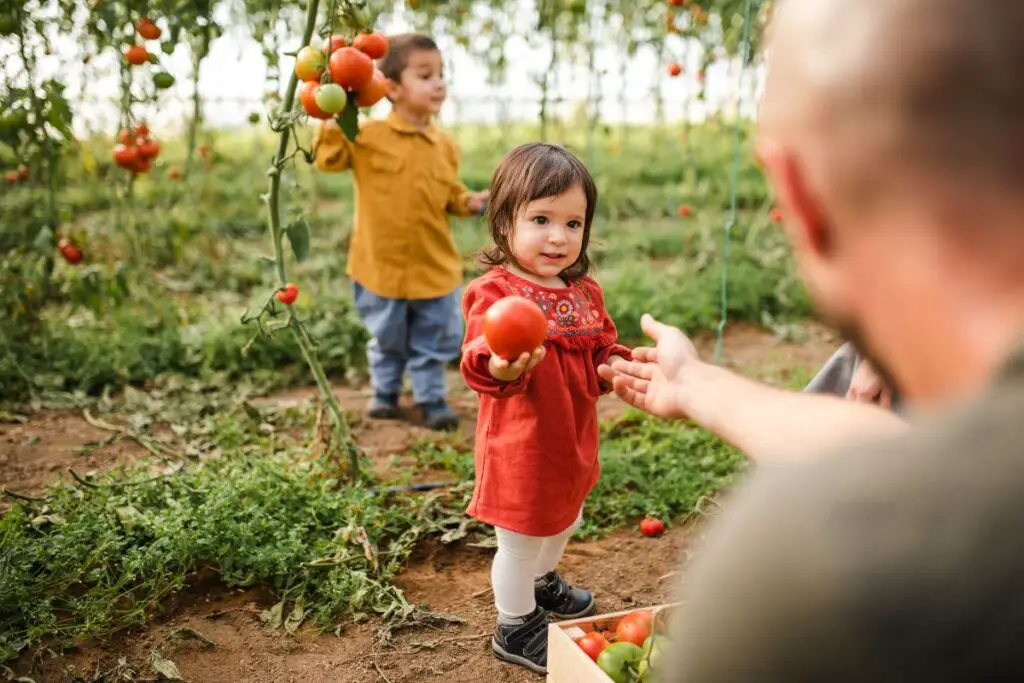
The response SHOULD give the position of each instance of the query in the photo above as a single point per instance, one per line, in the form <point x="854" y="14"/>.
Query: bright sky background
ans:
<point x="233" y="80"/>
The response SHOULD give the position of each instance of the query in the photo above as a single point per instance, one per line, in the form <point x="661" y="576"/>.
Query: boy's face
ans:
<point x="422" y="89"/>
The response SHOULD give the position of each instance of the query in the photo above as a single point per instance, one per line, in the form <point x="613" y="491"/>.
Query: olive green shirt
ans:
<point x="900" y="560"/>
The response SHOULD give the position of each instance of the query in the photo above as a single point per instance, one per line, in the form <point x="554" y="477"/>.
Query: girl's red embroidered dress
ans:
<point x="537" y="437"/>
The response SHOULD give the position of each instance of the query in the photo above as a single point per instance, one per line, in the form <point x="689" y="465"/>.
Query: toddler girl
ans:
<point x="537" y="433"/>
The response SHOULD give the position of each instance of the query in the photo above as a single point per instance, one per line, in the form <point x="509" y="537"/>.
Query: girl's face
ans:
<point x="548" y="234"/>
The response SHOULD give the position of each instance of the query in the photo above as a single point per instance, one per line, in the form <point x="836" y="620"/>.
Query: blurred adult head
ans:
<point x="893" y="135"/>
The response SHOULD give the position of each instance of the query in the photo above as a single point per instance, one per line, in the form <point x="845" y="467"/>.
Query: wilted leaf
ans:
<point x="295" y="619"/>
<point x="164" y="667"/>
<point x="56" y="520"/>
<point x="273" y="617"/>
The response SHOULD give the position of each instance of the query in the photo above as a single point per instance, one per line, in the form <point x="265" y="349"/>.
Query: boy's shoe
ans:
<point x="439" y="417"/>
<point x="524" y="644"/>
<point x="384" y="407"/>
<point x="560" y="599"/>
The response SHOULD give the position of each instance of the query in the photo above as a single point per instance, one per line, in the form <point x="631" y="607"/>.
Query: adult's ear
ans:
<point x="807" y="227"/>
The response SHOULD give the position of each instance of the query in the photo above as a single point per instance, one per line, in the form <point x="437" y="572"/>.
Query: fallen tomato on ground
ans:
<point x="651" y="526"/>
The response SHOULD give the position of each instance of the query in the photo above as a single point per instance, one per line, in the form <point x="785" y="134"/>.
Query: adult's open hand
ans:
<point x="654" y="379"/>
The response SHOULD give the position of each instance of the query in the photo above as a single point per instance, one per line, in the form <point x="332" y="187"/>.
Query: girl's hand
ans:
<point x="504" y="371"/>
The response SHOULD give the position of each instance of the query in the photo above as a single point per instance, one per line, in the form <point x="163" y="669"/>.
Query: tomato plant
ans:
<point x="514" y="326"/>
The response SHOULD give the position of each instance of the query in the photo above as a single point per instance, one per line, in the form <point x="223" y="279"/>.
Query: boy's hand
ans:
<point x="477" y="201"/>
<point x="503" y="371"/>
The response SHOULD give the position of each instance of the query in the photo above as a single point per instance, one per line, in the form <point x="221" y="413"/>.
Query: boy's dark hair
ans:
<point x="535" y="171"/>
<point x="399" y="49"/>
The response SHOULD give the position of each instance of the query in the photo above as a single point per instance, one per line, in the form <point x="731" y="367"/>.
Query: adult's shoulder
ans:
<point x="814" y="564"/>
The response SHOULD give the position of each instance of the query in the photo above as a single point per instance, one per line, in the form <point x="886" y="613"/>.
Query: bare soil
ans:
<point x="623" y="570"/>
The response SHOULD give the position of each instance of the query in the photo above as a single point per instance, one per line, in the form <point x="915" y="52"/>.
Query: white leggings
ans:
<point x="521" y="559"/>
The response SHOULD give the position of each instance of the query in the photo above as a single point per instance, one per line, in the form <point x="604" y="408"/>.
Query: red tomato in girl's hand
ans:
<point x="593" y="643"/>
<point x="634" y="628"/>
<point x="514" y="326"/>
<point x="651" y="526"/>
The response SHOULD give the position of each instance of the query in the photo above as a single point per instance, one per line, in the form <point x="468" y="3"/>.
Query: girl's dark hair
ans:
<point x="535" y="171"/>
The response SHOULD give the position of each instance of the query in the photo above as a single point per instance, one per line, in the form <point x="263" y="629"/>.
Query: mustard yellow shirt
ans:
<point x="406" y="185"/>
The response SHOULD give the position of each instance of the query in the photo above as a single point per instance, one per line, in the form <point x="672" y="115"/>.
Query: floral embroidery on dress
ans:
<point x="571" y="313"/>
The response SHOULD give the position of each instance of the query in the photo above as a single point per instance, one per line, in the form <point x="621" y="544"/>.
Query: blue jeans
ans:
<point x="420" y="335"/>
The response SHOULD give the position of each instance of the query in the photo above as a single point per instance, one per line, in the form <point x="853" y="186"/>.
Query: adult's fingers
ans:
<point x="645" y="354"/>
<point x="624" y="391"/>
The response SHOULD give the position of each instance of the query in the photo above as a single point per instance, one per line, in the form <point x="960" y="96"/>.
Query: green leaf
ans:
<point x="298" y="236"/>
<point x="44" y="239"/>
<point x="348" y="119"/>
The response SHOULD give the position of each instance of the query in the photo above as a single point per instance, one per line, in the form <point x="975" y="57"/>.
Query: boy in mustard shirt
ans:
<point x="405" y="269"/>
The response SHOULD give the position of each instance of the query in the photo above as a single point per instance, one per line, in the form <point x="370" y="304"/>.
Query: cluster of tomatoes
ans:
<point x="137" y="149"/>
<point x="137" y="54"/>
<point x="16" y="175"/>
<point x="351" y="70"/>
<point x="69" y="251"/>
<point x="632" y="653"/>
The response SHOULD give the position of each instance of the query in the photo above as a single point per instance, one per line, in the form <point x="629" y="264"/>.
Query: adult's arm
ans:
<point x="766" y="423"/>
<point x="774" y="424"/>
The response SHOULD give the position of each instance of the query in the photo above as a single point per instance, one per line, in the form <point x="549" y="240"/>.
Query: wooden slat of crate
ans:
<point x="567" y="663"/>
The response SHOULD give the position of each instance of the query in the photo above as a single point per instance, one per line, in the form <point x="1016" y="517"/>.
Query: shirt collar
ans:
<point x="403" y="126"/>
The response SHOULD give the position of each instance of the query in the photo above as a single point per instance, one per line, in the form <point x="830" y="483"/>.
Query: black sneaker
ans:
<point x="384" y="407"/>
<point x="561" y="600"/>
<point x="439" y="417"/>
<point x="524" y="644"/>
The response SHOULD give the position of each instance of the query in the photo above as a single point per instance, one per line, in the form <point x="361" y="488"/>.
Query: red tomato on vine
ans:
<point x="147" y="29"/>
<point x="308" y="99"/>
<point x="373" y="45"/>
<point x="288" y="294"/>
<point x="350" y="68"/>
<point x="136" y="55"/>
<point x="373" y="92"/>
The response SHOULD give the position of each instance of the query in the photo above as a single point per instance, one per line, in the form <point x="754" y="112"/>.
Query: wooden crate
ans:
<point x="567" y="663"/>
